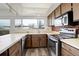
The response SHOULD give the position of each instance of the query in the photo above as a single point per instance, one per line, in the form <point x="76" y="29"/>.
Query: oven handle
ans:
<point x="56" y="49"/>
<point x="54" y="40"/>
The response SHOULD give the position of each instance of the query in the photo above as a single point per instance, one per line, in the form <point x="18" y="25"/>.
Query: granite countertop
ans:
<point x="74" y="42"/>
<point x="7" y="41"/>
<point x="48" y="33"/>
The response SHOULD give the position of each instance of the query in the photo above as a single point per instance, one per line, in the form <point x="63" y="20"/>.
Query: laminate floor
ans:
<point x="37" y="52"/>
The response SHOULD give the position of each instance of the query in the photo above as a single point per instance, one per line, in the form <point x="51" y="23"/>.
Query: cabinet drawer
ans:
<point x="14" y="47"/>
<point x="66" y="53"/>
<point x="70" y="49"/>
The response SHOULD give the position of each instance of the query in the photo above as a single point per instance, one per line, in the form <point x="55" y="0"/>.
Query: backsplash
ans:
<point x="21" y="30"/>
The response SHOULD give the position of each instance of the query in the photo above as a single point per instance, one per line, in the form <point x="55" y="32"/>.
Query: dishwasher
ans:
<point x="23" y="44"/>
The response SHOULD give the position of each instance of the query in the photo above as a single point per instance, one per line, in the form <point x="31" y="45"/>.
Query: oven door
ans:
<point x="52" y="47"/>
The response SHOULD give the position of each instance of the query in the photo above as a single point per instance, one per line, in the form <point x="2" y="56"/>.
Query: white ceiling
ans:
<point x="27" y="9"/>
<point x="5" y="10"/>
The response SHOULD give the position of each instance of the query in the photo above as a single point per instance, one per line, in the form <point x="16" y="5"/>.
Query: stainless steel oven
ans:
<point x="54" y="43"/>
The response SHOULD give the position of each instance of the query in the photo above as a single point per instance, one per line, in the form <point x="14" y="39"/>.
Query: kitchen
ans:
<point x="39" y="29"/>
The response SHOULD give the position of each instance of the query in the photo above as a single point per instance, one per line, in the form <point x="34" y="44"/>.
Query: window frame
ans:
<point x="29" y="26"/>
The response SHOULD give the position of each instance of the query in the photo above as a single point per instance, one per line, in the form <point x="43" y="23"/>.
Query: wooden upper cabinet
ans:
<point x="53" y="17"/>
<point x="75" y="11"/>
<point x="57" y="12"/>
<point x="49" y="20"/>
<point x="65" y="7"/>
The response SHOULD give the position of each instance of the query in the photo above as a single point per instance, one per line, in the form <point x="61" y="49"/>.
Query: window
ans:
<point x="29" y="23"/>
<point x="40" y="23"/>
<point x="18" y="23"/>
<point x="4" y="24"/>
<point x="33" y="23"/>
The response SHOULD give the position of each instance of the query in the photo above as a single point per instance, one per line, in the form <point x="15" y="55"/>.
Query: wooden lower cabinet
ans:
<point x="28" y="41"/>
<point x="39" y="40"/>
<point x="5" y="53"/>
<point x="36" y="40"/>
<point x="15" y="50"/>
<point x="68" y="50"/>
<point x="65" y="52"/>
<point x="43" y="40"/>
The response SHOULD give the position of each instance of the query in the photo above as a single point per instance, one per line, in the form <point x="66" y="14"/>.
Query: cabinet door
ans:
<point x="66" y="53"/>
<point x="35" y="41"/>
<point x="53" y="16"/>
<point x="43" y="40"/>
<point x="28" y="42"/>
<point x="76" y="11"/>
<point x="19" y="48"/>
<point x="57" y="12"/>
<point x="5" y="53"/>
<point x="15" y="50"/>
<point x="15" y="53"/>
<point x="65" y="7"/>
<point x="70" y="49"/>
<point x="50" y="20"/>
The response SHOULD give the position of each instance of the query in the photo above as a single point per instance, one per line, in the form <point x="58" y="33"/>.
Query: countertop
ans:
<point x="6" y="41"/>
<point x="74" y="42"/>
<point x="43" y="32"/>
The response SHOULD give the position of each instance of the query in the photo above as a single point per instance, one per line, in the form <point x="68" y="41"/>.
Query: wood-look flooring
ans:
<point x="37" y="52"/>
